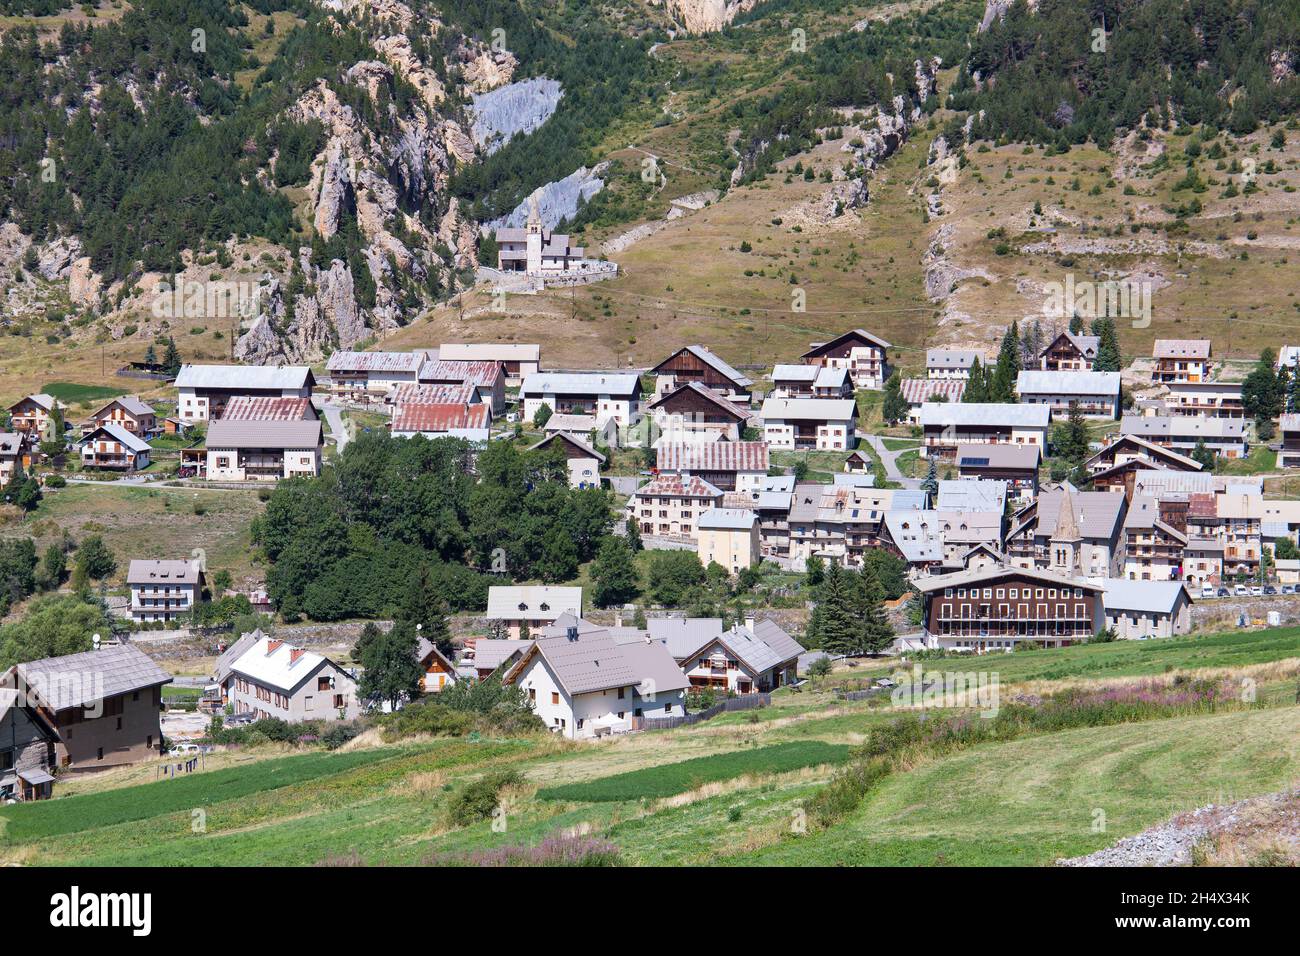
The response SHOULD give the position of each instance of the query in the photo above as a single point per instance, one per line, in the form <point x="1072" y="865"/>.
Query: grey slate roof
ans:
<point x="994" y="413"/>
<point x="581" y="383"/>
<point x="589" y="662"/>
<point x="1153" y="597"/>
<point x="684" y="635"/>
<point x="145" y="571"/>
<point x="726" y="519"/>
<point x="655" y="667"/>
<point x="1096" y="512"/>
<point x="775" y="637"/>
<point x="221" y="670"/>
<point x="1067" y="382"/>
<point x="998" y="456"/>
<point x="119" y="434"/>
<point x="75" y="680"/>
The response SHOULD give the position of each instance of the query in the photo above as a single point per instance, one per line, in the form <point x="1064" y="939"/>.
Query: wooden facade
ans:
<point x="995" y="610"/>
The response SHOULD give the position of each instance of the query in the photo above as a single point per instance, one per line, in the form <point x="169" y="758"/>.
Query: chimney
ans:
<point x="749" y="623"/>
<point x="618" y="618"/>
<point x="272" y="646"/>
<point x="294" y="654"/>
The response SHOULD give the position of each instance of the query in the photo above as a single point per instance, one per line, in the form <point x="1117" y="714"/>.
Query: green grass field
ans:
<point x="728" y="790"/>
<point x="73" y="394"/>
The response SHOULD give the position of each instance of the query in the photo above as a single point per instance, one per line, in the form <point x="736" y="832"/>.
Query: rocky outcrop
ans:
<point x="556" y="201"/>
<point x="323" y="317"/>
<point x="997" y="9"/>
<point x="520" y="108"/>
<point x="483" y="69"/>
<point x="56" y="258"/>
<point x="941" y="274"/>
<point x="397" y="50"/>
<point x="706" y="16"/>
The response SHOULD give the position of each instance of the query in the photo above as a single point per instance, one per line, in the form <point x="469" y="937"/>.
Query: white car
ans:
<point x="179" y="749"/>
<point x="1241" y="590"/>
<point x="1256" y="591"/>
<point x="1207" y="592"/>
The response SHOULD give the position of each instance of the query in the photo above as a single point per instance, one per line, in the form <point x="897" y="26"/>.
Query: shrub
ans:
<point x="477" y="799"/>
<point x="553" y="851"/>
<point x="427" y="717"/>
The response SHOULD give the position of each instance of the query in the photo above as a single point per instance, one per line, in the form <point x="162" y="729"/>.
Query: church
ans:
<point x="535" y="251"/>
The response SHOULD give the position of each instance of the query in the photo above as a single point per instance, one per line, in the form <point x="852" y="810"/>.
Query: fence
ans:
<point x="748" y="702"/>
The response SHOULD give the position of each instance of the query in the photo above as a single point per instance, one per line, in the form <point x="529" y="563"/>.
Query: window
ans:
<point x="99" y="753"/>
<point x="947" y="592"/>
<point x="1015" y="593"/>
<point x="620" y="693"/>
<point x="532" y="694"/>
<point x="1001" y="593"/>
<point x="6" y="760"/>
<point x="555" y="697"/>
<point x="340" y="700"/>
<point x="322" y="683"/>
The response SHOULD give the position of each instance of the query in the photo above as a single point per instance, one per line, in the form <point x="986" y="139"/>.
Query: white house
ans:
<point x="583" y="684"/>
<point x="368" y="376"/>
<point x="584" y="461"/>
<point x="536" y="605"/>
<point x="163" y="590"/>
<point x="204" y="390"/>
<point x="821" y="423"/>
<point x="757" y="657"/>
<point x="275" y="679"/>
<point x="265" y="450"/>
<point x="1095" y="394"/>
<point x="864" y="355"/>
<point x="950" y="363"/>
<point x="602" y="394"/>
<point x="518" y="360"/>
<point x="948" y="426"/>
<point x="810" y="381"/>
<point x="1147" y="608"/>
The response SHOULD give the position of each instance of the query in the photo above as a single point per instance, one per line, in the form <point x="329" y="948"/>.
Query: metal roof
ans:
<point x="654" y="665"/>
<point x="726" y="519"/>
<point x="343" y="361"/>
<point x="1067" y="382"/>
<point x="75" y="680"/>
<point x="1024" y="457"/>
<point x="1185" y="427"/>
<point x="971" y="494"/>
<point x="264" y="434"/>
<point x="815" y="409"/>
<point x="917" y="391"/>
<point x="119" y="434"/>
<point x="980" y="575"/>
<point x="683" y="635"/>
<point x="740" y="413"/>
<point x="952" y="358"/>
<point x="581" y="383"/>
<point x="1153" y="597"/>
<point x="581" y="661"/>
<point x="452" y="371"/>
<point x="573" y="440"/>
<point x="236" y="377"/>
<point x="268" y="408"/>
<point x="437" y="419"/>
<point x="713" y="361"/>
<point x="1181" y="348"/>
<point x="1003" y="414"/>
<point x="714" y="456"/>
<point x="678" y="486"/>
<point x="863" y="334"/>
<point x="795" y="373"/>
<point x="275" y="663"/>
<point x="129" y="403"/>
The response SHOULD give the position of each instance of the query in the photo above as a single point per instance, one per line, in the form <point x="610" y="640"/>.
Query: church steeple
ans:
<point x="534" y="217"/>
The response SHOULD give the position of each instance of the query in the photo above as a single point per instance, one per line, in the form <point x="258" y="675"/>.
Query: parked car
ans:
<point x="1241" y="590"/>
<point x="1207" y="592"/>
<point x="1256" y="591"/>
<point x="180" y="749"/>
<point x="1223" y="592"/>
<point x="1288" y="589"/>
<point x="1269" y="589"/>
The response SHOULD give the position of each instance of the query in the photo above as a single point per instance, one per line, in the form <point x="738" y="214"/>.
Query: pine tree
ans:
<point x="1076" y="324"/>
<point x="976" y="392"/>
<point x="1008" y="368"/>
<point x="424" y="610"/>
<point x="894" y="408"/>
<point x="840" y="625"/>
<point x="877" y="632"/>
<point x="1108" y="356"/>
<point x="614" y="574"/>
<point x="931" y="484"/>
<point x="171" y="357"/>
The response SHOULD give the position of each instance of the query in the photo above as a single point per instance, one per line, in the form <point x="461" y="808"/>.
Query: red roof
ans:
<point x="677" y="486"/>
<point x="714" y="456"/>
<point x="422" y="394"/>
<point x="259" y="408"/>
<point x="918" y="390"/>
<point x="420" y="417"/>
<point x="1202" y="506"/>
<point x="453" y="370"/>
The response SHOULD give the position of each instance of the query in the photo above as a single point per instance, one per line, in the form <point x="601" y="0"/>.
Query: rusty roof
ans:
<point x="450" y="371"/>
<point x="714" y="456"/>
<point x="421" y="417"/>
<point x="918" y="390"/>
<point x="422" y="393"/>
<point x="264" y="408"/>
<point x="691" y="486"/>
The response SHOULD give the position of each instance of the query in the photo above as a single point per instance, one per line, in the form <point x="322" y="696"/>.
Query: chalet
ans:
<point x="859" y="462"/>
<point x="274" y="679"/>
<point x="921" y="391"/>
<point x="1115" y="467"/>
<point x="106" y="704"/>
<point x="810" y="381"/>
<point x="728" y="466"/>
<point x="1017" y="465"/>
<point x="111" y="446"/>
<point x="583" y="684"/>
<point x="32" y="415"/>
<point x="486" y="379"/>
<point x="947" y="427"/>
<point x="1223" y="436"/>
<point x="1167" y="485"/>
<point x="1141" y="609"/>
<point x="531" y="606"/>
<point x="695" y="364"/>
<point x="694" y="413"/>
<point x="1181" y="360"/>
<point x="1070" y="352"/>
<point x="1211" y="399"/>
<point x="1288" y="454"/>
<point x="1153" y="549"/>
<point x="470" y="422"/>
<point x="584" y="461"/>
<point x="755" y="658"/>
<point x="127" y="413"/>
<point x="946" y="364"/>
<point x="262" y="450"/>
<point x="1095" y="394"/>
<point x="28" y="744"/>
<point x="863" y="354"/>
<point x="436" y="671"/>
<point x="15" y="453"/>
<point x="997" y="609"/>
<point x="204" y="390"/>
<point x="602" y="394"/>
<point x="518" y="361"/>
<point x="729" y="537"/>
<point x="163" y="590"/>
<point x="257" y="408"/>
<point x="368" y="376"/>
<point x="821" y="423"/>
<point x="668" y="505"/>
<point x="1070" y="532"/>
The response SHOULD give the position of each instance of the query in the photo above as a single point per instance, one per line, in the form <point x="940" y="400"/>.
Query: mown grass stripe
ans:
<point x="670" y="779"/>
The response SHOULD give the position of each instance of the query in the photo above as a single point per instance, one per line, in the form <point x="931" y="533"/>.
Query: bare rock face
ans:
<point x="997" y="9"/>
<point x="457" y="142"/>
<point x="1281" y="65"/>
<point x="513" y="110"/>
<point x="325" y="316"/>
<point x="459" y="234"/>
<point x="483" y="69"/>
<point x="391" y="12"/>
<point x="941" y="274"/>
<point x="707" y="16"/>
<point x="335" y="193"/>
<point x="556" y="201"/>
<point x="56" y="258"/>
<point x="84" y="284"/>
<point x="398" y="51"/>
